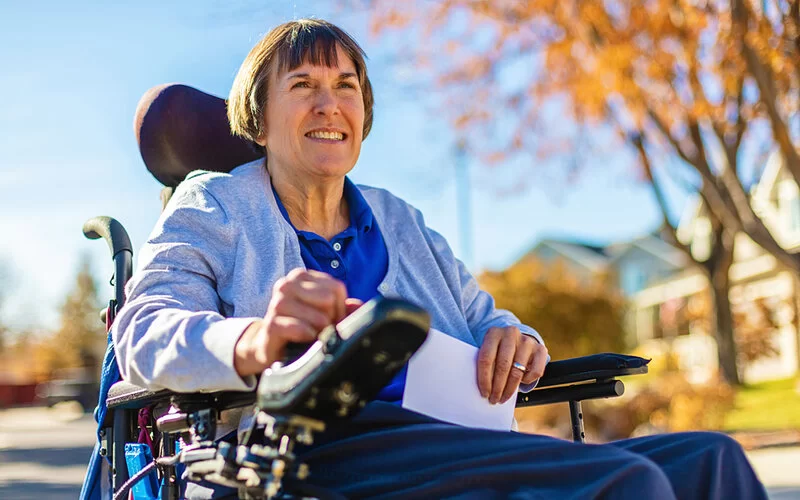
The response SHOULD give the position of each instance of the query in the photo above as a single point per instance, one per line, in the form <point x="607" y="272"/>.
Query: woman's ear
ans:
<point x="261" y="140"/>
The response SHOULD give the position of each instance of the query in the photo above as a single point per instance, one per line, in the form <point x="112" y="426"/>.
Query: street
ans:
<point x="43" y="455"/>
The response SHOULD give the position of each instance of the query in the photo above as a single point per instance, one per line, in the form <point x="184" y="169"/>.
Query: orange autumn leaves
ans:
<point x="649" y="66"/>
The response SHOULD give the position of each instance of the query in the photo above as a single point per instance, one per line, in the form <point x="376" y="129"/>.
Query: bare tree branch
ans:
<point x="741" y="124"/>
<point x="636" y="140"/>
<point x="766" y="88"/>
<point x="662" y="127"/>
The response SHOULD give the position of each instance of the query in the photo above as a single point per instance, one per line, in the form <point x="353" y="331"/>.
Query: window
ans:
<point x="794" y="215"/>
<point x="633" y="278"/>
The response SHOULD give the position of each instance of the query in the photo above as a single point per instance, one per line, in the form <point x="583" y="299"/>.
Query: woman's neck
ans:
<point x="316" y="205"/>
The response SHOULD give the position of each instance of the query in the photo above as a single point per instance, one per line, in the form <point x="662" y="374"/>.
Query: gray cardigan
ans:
<point x="208" y="268"/>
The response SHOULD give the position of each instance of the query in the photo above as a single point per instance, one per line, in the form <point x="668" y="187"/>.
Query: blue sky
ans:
<point x="73" y="72"/>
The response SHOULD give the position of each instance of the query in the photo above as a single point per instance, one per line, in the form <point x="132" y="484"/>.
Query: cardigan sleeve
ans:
<point x="171" y="333"/>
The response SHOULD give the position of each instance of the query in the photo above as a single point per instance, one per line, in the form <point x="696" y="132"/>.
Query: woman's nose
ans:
<point x="325" y="102"/>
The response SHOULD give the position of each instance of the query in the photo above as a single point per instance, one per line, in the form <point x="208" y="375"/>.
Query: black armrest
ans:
<point x="602" y="366"/>
<point x="587" y="377"/>
<point x="124" y="395"/>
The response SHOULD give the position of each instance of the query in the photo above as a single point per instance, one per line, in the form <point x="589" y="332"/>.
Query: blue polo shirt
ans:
<point x="357" y="256"/>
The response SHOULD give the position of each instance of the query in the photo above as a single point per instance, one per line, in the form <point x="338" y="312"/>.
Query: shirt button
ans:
<point x="334" y="263"/>
<point x="384" y="287"/>
<point x="337" y="246"/>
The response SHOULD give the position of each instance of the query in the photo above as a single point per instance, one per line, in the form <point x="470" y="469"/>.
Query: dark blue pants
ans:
<point x="388" y="452"/>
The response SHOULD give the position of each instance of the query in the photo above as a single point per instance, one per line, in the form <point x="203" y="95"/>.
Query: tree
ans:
<point x="701" y="82"/>
<point x="755" y="323"/>
<point x="6" y="281"/>
<point x="576" y="316"/>
<point x="80" y="339"/>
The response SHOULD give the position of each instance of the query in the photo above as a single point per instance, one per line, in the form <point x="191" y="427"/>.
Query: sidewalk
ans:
<point x="43" y="453"/>
<point x="779" y="470"/>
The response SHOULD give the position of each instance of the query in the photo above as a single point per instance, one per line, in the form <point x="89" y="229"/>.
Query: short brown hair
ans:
<point x="285" y="48"/>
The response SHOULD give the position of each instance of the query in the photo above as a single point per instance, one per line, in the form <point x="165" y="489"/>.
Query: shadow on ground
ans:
<point x="42" y="473"/>
<point x="48" y="457"/>
<point x="28" y="490"/>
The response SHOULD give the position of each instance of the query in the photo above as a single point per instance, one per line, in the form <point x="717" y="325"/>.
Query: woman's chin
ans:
<point x="332" y="169"/>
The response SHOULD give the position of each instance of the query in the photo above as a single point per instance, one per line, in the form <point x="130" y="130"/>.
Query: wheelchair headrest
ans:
<point x="180" y="129"/>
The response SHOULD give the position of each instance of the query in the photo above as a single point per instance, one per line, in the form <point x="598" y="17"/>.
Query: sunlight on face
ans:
<point x="314" y="120"/>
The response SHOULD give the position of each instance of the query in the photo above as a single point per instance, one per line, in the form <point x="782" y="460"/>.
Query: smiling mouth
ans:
<point x="326" y="135"/>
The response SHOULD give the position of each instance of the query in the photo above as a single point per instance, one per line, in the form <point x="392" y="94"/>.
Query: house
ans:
<point x="756" y="278"/>
<point x="667" y="296"/>
<point x="633" y="265"/>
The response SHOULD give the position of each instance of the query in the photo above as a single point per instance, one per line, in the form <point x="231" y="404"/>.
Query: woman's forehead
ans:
<point x="320" y="54"/>
<point x="338" y="60"/>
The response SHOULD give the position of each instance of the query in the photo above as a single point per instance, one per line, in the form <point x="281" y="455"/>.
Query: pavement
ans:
<point x="43" y="455"/>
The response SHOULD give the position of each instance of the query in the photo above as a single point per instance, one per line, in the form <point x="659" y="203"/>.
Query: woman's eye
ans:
<point x="347" y="85"/>
<point x="300" y="85"/>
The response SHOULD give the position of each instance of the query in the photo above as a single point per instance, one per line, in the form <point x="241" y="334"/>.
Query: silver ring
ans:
<point x="519" y="366"/>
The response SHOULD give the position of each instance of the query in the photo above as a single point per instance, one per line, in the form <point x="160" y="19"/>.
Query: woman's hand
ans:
<point x="302" y="305"/>
<point x="503" y="347"/>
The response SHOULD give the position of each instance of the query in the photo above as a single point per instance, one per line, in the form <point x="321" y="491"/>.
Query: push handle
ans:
<point x="121" y="253"/>
<point x="110" y="230"/>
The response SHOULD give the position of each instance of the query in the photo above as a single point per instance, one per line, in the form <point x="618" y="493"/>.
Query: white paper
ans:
<point x="442" y="382"/>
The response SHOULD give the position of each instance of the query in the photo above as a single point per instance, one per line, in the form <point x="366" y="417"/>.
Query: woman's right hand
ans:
<point x="302" y="305"/>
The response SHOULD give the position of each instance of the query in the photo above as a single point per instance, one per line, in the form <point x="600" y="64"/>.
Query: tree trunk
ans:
<point x="716" y="268"/>
<point x="719" y="266"/>
<point x="723" y="323"/>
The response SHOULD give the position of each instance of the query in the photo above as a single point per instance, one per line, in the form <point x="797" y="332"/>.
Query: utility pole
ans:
<point x="464" y="204"/>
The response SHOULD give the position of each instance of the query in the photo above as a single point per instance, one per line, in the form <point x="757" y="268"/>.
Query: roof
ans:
<point x="653" y="245"/>
<point x="590" y="256"/>
<point x="597" y="258"/>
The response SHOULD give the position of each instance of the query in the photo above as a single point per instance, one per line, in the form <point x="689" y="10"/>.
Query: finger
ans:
<point x="486" y="357"/>
<point x="340" y="300"/>
<point x="537" y="364"/>
<point x="294" y="308"/>
<point x="352" y="304"/>
<point x="313" y="274"/>
<point x="284" y="329"/>
<point x="502" y="366"/>
<point x="288" y="329"/>
<point x="522" y="356"/>
<point x="313" y="290"/>
<point x="328" y="284"/>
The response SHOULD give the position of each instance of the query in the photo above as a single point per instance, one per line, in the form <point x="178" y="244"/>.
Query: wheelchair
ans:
<point x="179" y="129"/>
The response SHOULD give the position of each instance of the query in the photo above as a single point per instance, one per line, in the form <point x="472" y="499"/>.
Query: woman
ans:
<point x="242" y="263"/>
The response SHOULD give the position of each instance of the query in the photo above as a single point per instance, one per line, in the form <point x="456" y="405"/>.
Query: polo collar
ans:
<point x="360" y="213"/>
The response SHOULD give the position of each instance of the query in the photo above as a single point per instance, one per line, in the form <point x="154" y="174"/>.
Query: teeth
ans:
<point x="319" y="134"/>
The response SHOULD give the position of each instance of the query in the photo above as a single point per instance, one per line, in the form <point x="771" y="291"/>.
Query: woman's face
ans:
<point x="314" y="119"/>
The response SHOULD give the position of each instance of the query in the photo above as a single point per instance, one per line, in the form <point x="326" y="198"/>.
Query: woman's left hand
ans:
<point x="503" y="348"/>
